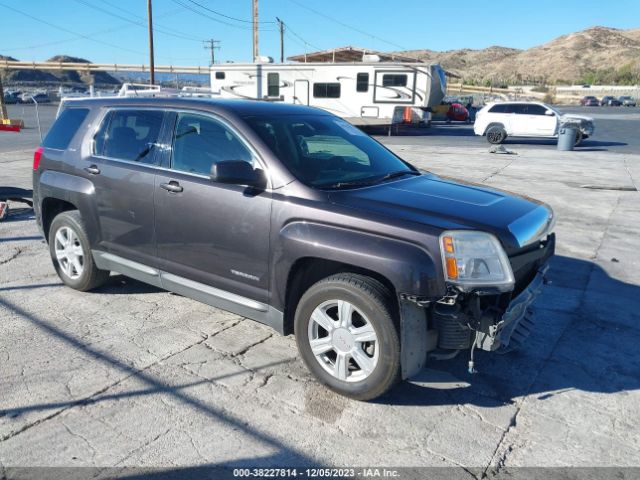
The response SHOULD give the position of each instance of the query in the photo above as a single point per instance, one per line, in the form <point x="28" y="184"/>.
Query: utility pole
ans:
<point x="212" y="45"/>
<point x="152" y="77"/>
<point x="281" y="23"/>
<point x="255" y="31"/>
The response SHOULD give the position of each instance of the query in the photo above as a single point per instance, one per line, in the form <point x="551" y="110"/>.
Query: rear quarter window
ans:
<point x="64" y="128"/>
<point x="499" y="108"/>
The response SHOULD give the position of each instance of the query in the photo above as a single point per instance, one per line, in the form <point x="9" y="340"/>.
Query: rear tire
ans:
<point x="496" y="134"/>
<point x="350" y="322"/>
<point x="579" y="138"/>
<point x="71" y="253"/>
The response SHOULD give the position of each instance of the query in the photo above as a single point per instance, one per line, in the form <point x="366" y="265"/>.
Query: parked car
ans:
<point x="627" y="101"/>
<point x="610" y="101"/>
<point x="500" y="120"/>
<point x="291" y="216"/>
<point x="40" y="97"/>
<point x="589" y="101"/>
<point x="457" y="113"/>
<point x="11" y="98"/>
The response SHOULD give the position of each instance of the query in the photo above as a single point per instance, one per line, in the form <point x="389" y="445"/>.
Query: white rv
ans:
<point x="362" y="93"/>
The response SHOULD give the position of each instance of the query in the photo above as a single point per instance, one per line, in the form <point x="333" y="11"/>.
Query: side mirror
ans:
<point x="549" y="113"/>
<point x="237" y="172"/>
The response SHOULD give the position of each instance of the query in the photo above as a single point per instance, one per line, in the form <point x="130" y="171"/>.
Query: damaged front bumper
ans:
<point x="514" y="326"/>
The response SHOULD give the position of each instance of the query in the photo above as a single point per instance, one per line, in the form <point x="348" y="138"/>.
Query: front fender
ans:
<point x="75" y="190"/>
<point x="409" y="267"/>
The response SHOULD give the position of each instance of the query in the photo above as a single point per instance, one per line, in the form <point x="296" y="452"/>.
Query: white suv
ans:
<point x="526" y="119"/>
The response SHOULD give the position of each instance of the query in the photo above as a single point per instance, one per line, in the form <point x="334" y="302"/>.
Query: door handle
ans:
<point x="93" y="170"/>
<point x="172" y="186"/>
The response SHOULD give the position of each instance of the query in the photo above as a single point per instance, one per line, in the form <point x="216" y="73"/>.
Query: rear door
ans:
<point x="519" y="122"/>
<point x="122" y="166"/>
<point x="211" y="233"/>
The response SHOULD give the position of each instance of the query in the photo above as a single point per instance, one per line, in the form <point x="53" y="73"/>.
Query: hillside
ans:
<point x="569" y="58"/>
<point x="64" y="77"/>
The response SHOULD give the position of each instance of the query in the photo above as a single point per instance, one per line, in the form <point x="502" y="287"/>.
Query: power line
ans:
<point x="223" y="15"/>
<point x="198" y="12"/>
<point x="77" y="35"/>
<point x="335" y="20"/>
<point x="202" y="14"/>
<point x="86" y="37"/>
<point x="73" y="39"/>
<point x="289" y="29"/>
<point x="133" y="22"/>
<point x="157" y="26"/>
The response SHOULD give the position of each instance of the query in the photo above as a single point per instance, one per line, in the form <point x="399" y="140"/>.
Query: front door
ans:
<point x="543" y="124"/>
<point x="301" y="92"/>
<point x="122" y="166"/>
<point x="211" y="233"/>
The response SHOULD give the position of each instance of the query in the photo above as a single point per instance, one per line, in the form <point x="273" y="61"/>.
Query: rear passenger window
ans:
<point x="519" y="109"/>
<point x="129" y="135"/>
<point x="64" y="128"/>
<point x="499" y="108"/>
<point x="201" y="141"/>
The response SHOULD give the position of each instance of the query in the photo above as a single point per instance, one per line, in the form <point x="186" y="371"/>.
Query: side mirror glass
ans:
<point x="237" y="172"/>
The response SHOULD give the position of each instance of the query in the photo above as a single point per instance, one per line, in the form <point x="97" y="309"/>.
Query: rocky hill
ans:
<point x="58" y="77"/>
<point x="597" y="52"/>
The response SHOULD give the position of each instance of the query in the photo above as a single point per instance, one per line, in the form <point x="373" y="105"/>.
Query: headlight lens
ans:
<point x="475" y="259"/>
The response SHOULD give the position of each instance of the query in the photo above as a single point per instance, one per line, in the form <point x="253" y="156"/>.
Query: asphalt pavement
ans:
<point x="133" y="376"/>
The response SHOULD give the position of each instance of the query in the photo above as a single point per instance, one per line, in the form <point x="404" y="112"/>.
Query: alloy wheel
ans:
<point x="343" y="341"/>
<point x="69" y="252"/>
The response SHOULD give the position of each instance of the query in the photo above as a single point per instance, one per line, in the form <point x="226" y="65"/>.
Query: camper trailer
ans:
<point x="361" y="93"/>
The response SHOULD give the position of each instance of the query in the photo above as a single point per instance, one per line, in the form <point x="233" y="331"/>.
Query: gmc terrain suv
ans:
<point x="292" y="217"/>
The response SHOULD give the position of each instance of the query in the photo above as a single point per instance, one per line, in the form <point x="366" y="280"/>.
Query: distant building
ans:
<point x="351" y="54"/>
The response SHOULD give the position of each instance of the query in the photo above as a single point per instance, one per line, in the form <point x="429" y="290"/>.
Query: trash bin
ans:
<point x="567" y="137"/>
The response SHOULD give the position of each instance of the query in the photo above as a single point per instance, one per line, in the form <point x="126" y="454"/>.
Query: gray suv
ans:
<point x="291" y="217"/>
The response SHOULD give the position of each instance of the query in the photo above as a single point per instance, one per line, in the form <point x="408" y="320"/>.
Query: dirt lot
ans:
<point x="133" y="376"/>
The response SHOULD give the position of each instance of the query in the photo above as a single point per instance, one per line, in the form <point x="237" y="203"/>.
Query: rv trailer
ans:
<point x="361" y="93"/>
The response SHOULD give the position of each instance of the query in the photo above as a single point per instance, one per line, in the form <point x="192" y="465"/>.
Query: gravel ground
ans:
<point x="131" y="376"/>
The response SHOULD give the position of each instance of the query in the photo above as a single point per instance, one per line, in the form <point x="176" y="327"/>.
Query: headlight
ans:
<point x="475" y="259"/>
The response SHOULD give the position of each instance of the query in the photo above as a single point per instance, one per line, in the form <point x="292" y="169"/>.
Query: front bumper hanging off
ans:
<point x="514" y="326"/>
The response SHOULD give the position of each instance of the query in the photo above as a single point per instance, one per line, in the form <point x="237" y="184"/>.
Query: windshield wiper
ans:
<point x="371" y="181"/>
<point x="399" y="173"/>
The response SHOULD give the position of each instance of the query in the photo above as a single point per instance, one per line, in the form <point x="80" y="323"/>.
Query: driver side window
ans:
<point x="200" y="141"/>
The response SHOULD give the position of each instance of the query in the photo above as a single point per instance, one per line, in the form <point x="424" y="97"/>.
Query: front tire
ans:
<point x="71" y="253"/>
<point x="579" y="138"/>
<point x="347" y="337"/>
<point x="496" y="134"/>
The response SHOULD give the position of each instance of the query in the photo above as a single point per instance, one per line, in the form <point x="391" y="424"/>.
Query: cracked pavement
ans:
<point x="131" y="375"/>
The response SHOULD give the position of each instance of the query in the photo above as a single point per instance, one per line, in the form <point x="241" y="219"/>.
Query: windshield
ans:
<point x="327" y="152"/>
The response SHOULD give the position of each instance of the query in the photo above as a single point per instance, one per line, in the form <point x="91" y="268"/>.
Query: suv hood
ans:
<point x="570" y="116"/>
<point x="445" y="205"/>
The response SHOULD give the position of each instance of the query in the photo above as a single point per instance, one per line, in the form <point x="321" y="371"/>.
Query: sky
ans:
<point x="114" y="31"/>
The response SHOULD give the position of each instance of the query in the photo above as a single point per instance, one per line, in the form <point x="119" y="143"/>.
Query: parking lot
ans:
<point x="132" y="376"/>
